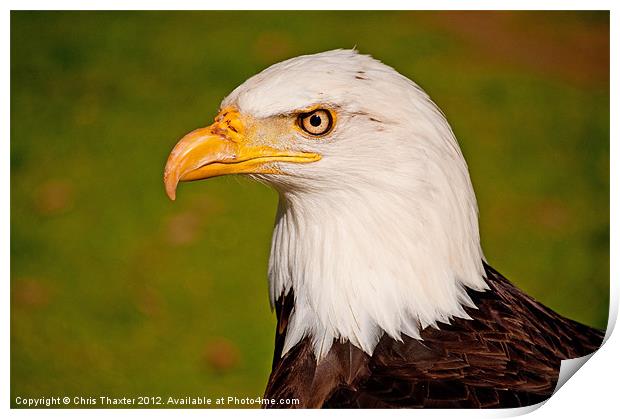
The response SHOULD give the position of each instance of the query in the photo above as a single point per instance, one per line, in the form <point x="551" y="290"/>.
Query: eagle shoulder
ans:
<point x="507" y="355"/>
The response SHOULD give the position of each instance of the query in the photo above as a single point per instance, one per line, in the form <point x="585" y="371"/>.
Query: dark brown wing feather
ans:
<point x="507" y="355"/>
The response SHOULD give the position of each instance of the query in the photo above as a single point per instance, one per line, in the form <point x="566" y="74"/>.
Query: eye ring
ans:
<point x="317" y="122"/>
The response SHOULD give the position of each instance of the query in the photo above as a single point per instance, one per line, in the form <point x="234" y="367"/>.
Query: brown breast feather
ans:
<point x="507" y="355"/>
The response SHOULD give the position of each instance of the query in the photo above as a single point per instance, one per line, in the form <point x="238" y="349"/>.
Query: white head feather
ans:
<point x="380" y="235"/>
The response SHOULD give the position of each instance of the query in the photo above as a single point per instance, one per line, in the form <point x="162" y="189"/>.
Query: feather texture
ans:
<point x="380" y="235"/>
<point x="507" y="355"/>
<point x="377" y="276"/>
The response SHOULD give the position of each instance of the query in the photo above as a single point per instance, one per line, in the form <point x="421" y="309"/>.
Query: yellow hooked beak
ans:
<point x="224" y="148"/>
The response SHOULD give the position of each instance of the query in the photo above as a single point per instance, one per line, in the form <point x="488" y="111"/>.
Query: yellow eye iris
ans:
<point x="317" y="122"/>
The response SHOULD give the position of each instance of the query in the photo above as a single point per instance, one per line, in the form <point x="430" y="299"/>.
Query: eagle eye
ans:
<point x="317" y="122"/>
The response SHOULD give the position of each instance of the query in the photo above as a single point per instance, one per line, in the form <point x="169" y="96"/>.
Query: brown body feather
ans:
<point x="507" y="355"/>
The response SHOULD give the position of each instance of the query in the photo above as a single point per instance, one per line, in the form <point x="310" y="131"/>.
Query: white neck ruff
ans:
<point x="366" y="262"/>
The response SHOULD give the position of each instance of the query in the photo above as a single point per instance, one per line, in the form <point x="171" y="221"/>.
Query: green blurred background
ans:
<point x="117" y="291"/>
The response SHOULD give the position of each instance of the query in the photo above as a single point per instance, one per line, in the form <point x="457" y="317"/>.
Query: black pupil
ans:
<point x="315" y="120"/>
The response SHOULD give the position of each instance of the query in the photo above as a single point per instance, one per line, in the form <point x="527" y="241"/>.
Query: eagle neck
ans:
<point x="362" y="263"/>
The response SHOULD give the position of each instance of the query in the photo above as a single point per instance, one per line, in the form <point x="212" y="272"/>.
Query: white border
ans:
<point x="593" y="393"/>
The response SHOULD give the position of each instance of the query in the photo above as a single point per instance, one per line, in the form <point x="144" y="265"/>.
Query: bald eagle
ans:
<point x="382" y="293"/>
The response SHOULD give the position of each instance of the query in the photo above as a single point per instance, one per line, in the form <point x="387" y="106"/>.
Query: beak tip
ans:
<point x="171" y="187"/>
<point x="171" y="192"/>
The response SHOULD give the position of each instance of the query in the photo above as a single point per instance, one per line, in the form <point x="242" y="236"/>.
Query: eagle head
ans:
<point x="377" y="226"/>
